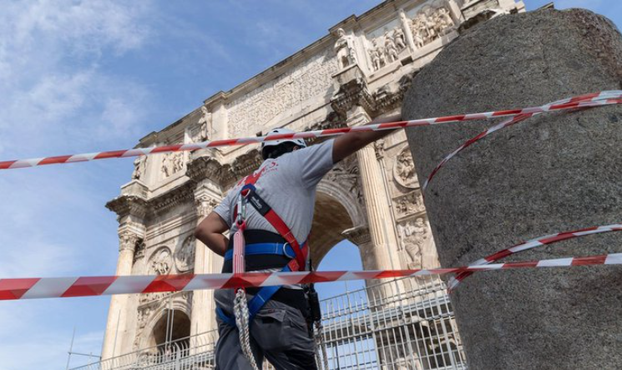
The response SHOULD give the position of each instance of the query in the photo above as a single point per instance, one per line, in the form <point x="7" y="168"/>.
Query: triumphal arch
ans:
<point x="358" y="71"/>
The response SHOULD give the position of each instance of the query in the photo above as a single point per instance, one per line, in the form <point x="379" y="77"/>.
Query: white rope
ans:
<point x="240" y="311"/>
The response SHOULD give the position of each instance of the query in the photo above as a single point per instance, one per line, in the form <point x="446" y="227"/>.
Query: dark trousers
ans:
<point x="278" y="333"/>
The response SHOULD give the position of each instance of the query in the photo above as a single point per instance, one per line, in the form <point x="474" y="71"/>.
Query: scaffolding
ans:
<point x="402" y="324"/>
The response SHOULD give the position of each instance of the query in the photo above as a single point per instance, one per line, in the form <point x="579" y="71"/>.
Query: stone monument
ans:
<point x="358" y="71"/>
<point x="551" y="173"/>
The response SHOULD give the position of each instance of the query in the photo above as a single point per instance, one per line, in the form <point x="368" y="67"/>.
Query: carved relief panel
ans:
<point x="384" y="46"/>
<point x="184" y="256"/>
<point x="161" y="261"/>
<point x="416" y="27"/>
<point x="172" y="163"/>
<point x="404" y="170"/>
<point x="430" y="23"/>
<point x="248" y="113"/>
<point x="414" y="235"/>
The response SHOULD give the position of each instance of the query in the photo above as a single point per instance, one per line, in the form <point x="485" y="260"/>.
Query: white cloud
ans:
<point x="58" y="94"/>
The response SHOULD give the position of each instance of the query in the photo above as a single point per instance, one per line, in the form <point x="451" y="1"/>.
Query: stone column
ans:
<point x="117" y="313"/>
<point x="203" y="307"/>
<point x="551" y="173"/>
<point x="384" y="252"/>
<point x="405" y="23"/>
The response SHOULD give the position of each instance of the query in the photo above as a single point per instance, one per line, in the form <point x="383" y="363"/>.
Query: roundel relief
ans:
<point x="185" y="255"/>
<point x="404" y="170"/>
<point x="161" y="261"/>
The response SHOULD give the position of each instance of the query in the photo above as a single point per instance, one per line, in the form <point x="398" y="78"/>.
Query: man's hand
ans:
<point x="349" y="143"/>
<point x="210" y="232"/>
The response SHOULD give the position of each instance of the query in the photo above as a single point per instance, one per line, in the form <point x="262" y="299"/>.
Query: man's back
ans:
<point x="287" y="184"/>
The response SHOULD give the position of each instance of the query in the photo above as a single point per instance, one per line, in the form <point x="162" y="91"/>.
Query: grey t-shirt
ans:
<point x="288" y="185"/>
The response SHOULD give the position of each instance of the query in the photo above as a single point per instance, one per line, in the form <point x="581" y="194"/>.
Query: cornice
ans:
<point x="206" y="167"/>
<point x="352" y="91"/>
<point x="128" y="205"/>
<point x="181" y="193"/>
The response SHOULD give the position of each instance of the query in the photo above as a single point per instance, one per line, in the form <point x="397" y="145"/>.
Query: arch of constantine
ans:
<point x="358" y="71"/>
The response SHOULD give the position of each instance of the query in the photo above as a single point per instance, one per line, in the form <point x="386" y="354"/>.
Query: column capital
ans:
<point x="204" y="203"/>
<point x="128" y="240"/>
<point x="129" y="235"/>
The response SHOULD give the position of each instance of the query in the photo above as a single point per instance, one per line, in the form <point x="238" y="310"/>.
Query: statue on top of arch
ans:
<point x="345" y="50"/>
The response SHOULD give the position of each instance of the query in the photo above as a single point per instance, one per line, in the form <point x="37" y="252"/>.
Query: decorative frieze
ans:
<point x="175" y="196"/>
<point x="251" y="111"/>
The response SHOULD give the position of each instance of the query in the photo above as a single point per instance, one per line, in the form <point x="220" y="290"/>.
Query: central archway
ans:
<point x="172" y="326"/>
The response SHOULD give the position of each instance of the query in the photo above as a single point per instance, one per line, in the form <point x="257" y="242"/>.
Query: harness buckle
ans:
<point x="242" y="200"/>
<point x="288" y="248"/>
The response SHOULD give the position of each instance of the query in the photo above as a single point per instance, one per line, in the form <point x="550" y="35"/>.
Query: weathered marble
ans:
<point x="551" y="173"/>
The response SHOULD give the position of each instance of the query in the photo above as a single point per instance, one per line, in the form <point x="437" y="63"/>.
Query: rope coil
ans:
<point x="240" y="311"/>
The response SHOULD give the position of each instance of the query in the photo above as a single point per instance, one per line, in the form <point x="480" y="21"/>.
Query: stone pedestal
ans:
<point x="554" y="172"/>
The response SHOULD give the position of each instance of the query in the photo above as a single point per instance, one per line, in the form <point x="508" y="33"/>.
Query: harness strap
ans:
<point x="297" y="262"/>
<point x="278" y="249"/>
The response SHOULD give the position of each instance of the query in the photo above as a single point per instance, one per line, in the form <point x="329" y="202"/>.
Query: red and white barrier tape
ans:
<point x="530" y="244"/>
<point x="11" y="289"/>
<point x="577" y="102"/>
<point x="584" y="101"/>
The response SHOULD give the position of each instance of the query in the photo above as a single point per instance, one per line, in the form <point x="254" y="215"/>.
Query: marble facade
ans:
<point x="358" y="71"/>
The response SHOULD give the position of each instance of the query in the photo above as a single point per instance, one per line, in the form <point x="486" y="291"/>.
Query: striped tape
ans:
<point x="577" y="102"/>
<point x="530" y="244"/>
<point x="583" y="101"/>
<point x="12" y="289"/>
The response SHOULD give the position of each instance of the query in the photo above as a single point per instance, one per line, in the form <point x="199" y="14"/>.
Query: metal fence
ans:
<point x="405" y="324"/>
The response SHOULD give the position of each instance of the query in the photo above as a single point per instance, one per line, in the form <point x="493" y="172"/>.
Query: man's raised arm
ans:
<point x="349" y="143"/>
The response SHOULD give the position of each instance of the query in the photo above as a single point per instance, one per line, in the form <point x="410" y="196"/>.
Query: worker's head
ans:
<point x="276" y="148"/>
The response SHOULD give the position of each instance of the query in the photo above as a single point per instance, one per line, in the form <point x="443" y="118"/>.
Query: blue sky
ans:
<point x="83" y="76"/>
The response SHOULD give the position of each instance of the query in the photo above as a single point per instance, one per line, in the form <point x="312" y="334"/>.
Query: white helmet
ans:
<point x="300" y="142"/>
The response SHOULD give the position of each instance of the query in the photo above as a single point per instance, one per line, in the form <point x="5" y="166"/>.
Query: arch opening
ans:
<point x="171" y="333"/>
<point x="331" y="219"/>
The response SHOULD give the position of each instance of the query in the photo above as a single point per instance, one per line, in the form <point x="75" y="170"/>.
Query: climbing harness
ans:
<point x="245" y="312"/>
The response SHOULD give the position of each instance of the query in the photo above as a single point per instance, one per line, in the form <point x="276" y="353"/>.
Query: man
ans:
<point x="285" y="183"/>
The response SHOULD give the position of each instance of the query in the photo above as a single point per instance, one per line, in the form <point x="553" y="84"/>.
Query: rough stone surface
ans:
<point x="550" y="173"/>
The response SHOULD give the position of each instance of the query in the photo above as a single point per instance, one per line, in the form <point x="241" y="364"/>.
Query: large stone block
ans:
<point x="551" y="173"/>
